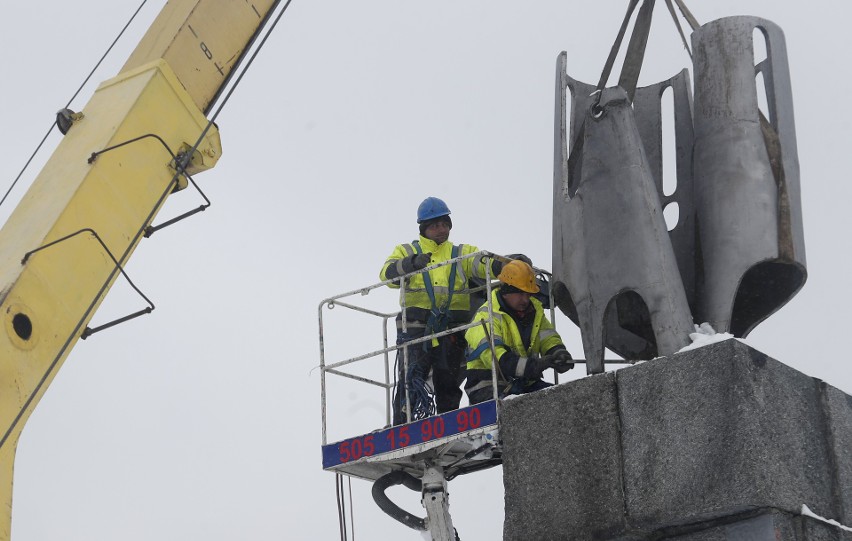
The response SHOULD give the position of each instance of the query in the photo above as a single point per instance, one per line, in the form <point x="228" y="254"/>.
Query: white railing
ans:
<point x="388" y="384"/>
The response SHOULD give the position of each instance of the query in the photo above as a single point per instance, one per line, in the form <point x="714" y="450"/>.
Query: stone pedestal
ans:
<point x="720" y="442"/>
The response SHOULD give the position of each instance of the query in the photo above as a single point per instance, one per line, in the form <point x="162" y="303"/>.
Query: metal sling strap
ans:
<point x="629" y="71"/>
<point x="437" y="321"/>
<point x="635" y="51"/>
<point x="635" y="54"/>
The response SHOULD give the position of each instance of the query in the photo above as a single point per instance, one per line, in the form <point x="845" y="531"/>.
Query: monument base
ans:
<point x="720" y="442"/>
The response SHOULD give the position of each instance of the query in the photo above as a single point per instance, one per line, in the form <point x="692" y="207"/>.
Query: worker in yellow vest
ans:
<point x="435" y="301"/>
<point x="525" y="342"/>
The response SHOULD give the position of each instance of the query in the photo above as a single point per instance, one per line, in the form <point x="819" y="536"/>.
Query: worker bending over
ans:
<point x="435" y="301"/>
<point x="525" y="342"/>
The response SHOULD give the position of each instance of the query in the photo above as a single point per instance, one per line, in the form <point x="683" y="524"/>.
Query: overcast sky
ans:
<point x="202" y="420"/>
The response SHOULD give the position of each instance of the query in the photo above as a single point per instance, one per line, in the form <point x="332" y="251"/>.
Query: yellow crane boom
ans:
<point x="77" y="225"/>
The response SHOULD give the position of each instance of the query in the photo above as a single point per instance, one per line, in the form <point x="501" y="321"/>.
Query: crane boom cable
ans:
<point x="221" y="105"/>
<point x="85" y="81"/>
<point x="122" y="260"/>
<point x="243" y="71"/>
<point x="106" y="53"/>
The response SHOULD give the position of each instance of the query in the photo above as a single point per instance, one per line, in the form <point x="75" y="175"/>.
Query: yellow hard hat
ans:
<point x="518" y="274"/>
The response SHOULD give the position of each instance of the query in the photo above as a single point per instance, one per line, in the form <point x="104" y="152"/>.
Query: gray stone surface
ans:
<point x="720" y="430"/>
<point x="759" y="528"/>
<point x="771" y="526"/>
<point x="839" y="406"/>
<point x="562" y="462"/>
<point x="677" y="446"/>
<point x="817" y="530"/>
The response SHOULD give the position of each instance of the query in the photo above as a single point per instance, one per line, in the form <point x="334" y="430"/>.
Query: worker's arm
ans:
<point x="512" y="365"/>
<point x="476" y="266"/>
<point x="402" y="261"/>
<point x="548" y="338"/>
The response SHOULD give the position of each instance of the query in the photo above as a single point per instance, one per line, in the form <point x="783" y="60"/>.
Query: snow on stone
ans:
<point x="705" y="334"/>
<point x="808" y="513"/>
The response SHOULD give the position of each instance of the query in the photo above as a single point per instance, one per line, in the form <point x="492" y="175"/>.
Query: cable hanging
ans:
<point x="240" y="75"/>
<point x="341" y="493"/>
<point x="46" y="135"/>
<point x="180" y="166"/>
<point x="341" y="506"/>
<point x="351" y="508"/>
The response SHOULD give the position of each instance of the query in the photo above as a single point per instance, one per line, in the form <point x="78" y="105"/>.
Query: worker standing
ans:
<point x="525" y="342"/>
<point x="435" y="301"/>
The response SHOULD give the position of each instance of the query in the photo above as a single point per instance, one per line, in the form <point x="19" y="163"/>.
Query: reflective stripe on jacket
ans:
<point x="507" y="338"/>
<point x="417" y="302"/>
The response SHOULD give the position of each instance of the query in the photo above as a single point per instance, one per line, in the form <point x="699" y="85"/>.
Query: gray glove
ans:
<point x="522" y="257"/>
<point x="539" y="365"/>
<point x="560" y="361"/>
<point x="421" y="261"/>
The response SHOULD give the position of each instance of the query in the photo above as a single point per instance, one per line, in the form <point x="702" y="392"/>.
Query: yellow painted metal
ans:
<point x="202" y="40"/>
<point x="164" y="89"/>
<point x="7" y="465"/>
<point x="46" y="302"/>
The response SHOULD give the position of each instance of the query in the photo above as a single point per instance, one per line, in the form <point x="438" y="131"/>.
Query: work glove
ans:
<point x="421" y="261"/>
<point x="536" y="366"/>
<point x="497" y="265"/>
<point x="521" y="257"/>
<point x="560" y="361"/>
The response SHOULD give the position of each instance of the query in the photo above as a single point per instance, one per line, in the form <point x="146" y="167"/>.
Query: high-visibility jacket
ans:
<point x="417" y="302"/>
<point x="512" y="354"/>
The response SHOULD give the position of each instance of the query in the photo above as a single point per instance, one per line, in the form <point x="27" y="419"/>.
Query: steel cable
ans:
<point x="340" y="494"/>
<point x="121" y="260"/>
<point x="351" y="510"/>
<point x="341" y="510"/>
<point x="46" y="135"/>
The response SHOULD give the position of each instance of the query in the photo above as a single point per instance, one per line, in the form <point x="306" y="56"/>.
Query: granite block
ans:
<point x="562" y="462"/>
<point x="770" y="526"/>
<point x="839" y="407"/>
<point x="679" y="446"/>
<point x="718" y="431"/>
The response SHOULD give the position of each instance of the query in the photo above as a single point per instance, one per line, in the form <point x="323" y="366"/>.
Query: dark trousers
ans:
<point x="447" y="363"/>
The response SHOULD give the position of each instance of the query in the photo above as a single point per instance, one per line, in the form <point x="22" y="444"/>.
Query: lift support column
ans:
<point x="717" y="443"/>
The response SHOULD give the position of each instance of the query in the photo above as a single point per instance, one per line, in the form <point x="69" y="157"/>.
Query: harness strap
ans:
<point x="482" y="347"/>
<point x="427" y="281"/>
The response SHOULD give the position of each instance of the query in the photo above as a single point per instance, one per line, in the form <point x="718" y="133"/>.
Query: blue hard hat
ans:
<point x="430" y="208"/>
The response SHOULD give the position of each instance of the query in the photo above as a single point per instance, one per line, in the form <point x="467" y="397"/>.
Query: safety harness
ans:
<point x="511" y="384"/>
<point x="422" y="404"/>
<point x="439" y="318"/>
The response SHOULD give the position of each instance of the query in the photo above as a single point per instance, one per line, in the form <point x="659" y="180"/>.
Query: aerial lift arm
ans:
<point x="78" y="224"/>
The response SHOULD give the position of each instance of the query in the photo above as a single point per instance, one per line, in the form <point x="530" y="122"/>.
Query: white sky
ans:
<point x="202" y="420"/>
